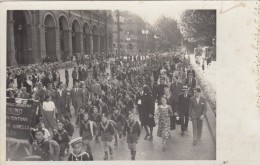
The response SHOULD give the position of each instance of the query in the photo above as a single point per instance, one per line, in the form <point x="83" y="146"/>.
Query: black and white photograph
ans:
<point x="86" y="85"/>
<point x="130" y="81"/>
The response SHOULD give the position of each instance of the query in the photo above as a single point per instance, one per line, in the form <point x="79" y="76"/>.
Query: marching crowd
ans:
<point x="106" y="96"/>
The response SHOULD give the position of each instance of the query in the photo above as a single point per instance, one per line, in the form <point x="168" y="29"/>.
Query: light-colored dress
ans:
<point x="164" y="113"/>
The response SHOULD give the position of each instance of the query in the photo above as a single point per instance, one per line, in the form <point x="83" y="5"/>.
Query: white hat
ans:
<point x="75" y="141"/>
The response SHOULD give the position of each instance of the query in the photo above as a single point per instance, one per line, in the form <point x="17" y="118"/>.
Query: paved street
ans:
<point x="178" y="147"/>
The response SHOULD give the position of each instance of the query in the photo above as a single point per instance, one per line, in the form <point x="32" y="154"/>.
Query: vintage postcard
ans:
<point x="170" y="81"/>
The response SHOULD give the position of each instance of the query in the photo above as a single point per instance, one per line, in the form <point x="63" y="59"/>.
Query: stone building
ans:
<point x="132" y="40"/>
<point x="61" y="34"/>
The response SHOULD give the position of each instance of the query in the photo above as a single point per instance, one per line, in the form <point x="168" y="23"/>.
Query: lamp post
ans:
<point x="145" y="32"/>
<point x="156" y="44"/>
<point x="119" y="21"/>
<point x="19" y="28"/>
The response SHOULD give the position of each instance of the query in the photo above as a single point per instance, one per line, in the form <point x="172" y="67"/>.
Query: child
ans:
<point x="86" y="131"/>
<point x="88" y="108"/>
<point x="133" y="130"/>
<point x="68" y="126"/>
<point x="78" y="154"/>
<point x="61" y="136"/>
<point x="107" y="132"/>
<point x="119" y="119"/>
<point x="41" y="125"/>
<point x="96" y="117"/>
<point x="80" y="116"/>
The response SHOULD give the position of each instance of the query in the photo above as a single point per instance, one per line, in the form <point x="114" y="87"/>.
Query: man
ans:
<point x="191" y="71"/>
<point x="175" y="88"/>
<point x="60" y="100"/>
<point x="75" y="75"/>
<point x="24" y="94"/>
<point x="183" y="108"/>
<point x="160" y="89"/>
<point x="67" y="76"/>
<point x="191" y="82"/>
<point x="197" y="112"/>
<point x="77" y="97"/>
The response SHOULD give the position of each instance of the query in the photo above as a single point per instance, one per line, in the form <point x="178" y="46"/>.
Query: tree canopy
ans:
<point x="169" y="34"/>
<point x="198" y="26"/>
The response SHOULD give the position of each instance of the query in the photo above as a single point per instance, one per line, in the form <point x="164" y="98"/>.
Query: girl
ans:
<point x="133" y="130"/>
<point x="164" y="113"/>
<point x="49" y="111"/>
<point x="78" y="154"/>
<point x="86" y="131"/>
<point x="119" y="119"/>
<point x="107" y="131"/>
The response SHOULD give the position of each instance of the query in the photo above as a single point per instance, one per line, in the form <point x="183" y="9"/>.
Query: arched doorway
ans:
<point x="86" y="39"/>
<point x="50" y="38"/>
<point x="76" y="38"/>
<point x="64" y="38"/>
<point x="95" y="39"/>
<point x="20" y="37"/>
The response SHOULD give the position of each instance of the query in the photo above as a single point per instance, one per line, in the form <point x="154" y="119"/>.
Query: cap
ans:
<point x="75" y="141"/>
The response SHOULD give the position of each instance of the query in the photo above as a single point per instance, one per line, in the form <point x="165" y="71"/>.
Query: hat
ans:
<point x="75" y="141"/>
<point x="185" y="87"/>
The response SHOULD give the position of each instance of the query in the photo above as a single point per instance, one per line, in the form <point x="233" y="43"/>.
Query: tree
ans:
<point x="198" y="26"/>
<point x="169" y="34"/>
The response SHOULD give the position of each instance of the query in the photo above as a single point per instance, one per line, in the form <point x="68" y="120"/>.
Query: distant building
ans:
<point x="61" y="34"/>
<point x="132" y="41"/>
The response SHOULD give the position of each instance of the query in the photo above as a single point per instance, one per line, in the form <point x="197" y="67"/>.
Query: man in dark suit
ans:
<point x="191" y="83"/>
<point x="75" y="75"/>
<point x="183" y="108"/>
<point x="77" y="97"/>
<point x="60" y="100"/>
<point x="176" y="87"/>
<point x="197" y="112"/>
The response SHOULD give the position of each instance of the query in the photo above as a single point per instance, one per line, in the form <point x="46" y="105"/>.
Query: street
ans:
<point x="178" y="147"/>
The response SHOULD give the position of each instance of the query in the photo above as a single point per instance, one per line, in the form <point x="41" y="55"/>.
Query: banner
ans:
<point x="18" y="118"/>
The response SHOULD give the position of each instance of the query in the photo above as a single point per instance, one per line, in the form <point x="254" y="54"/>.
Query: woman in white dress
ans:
<point x="49" y="111"/>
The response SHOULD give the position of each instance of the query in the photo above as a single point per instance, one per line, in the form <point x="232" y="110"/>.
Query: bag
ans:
<point x="178" y="120"/>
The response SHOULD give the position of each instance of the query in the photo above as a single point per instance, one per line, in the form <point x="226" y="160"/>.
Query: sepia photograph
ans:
<point x="86" y="85"/>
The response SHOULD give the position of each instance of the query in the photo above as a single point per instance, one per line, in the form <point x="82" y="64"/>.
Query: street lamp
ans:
<point x="145" y="32"/>
<point x="19" y="28"/>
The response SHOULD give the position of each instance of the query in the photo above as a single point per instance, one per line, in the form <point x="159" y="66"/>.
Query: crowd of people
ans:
<point x="104" y="100"/>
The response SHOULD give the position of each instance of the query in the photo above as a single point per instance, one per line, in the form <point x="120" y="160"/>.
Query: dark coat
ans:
<point x="147" y="108"/>
<point x="197" y="109"/>
<point x="183" y="104"/>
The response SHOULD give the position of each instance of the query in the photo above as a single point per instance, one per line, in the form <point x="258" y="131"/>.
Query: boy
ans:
<point x="86" y="131"/>
<point x="61" y="136"/>
<point x="96" y="117"/>
<point x="119" y="119"/>
<point x="133" y="130"/>
<point x="78" y="153"/>
<point x="107" y="131"/>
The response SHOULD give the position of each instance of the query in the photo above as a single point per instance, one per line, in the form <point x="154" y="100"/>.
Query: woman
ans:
<point x="147" y="108"/>
<point x="49" y="110"/>
<point x="164" y="113"/>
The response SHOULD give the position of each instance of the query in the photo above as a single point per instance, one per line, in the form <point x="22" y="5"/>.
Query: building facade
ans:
<point x="132" y="40"/>
<point x="35" y="34"/>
